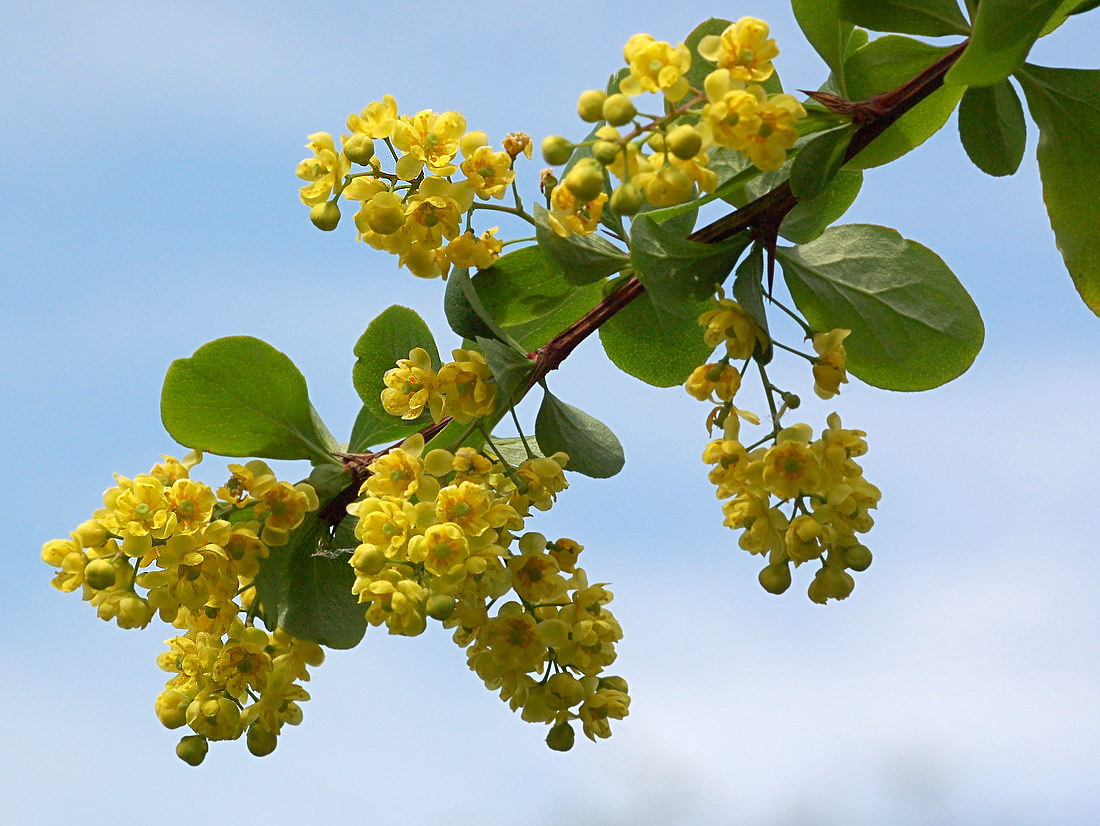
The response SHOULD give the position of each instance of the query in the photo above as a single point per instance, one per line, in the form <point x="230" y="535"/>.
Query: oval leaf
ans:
<point x="1065" y="104"/>
<point x="521" y="286"/>
<point x="882" y="65"/>
<point x="582" y="258"/>
<point x="817" y="163"/>
<point x="659" y="349"/>
<point x="932" y="18"/>
<point x="370" y="430"/>
<point x="992" y="128"/>
<point x="810" y="218"/>
<point x="1004" y="31"/>
<point x="593" y="449"/>
<point x="914" y="326"/>
<point x="304" y="587"/>
<point x="239" y="396"/>
<point x="820" y="21"/>
<point x="676" y="272"/>
<point x="391" y="336"/>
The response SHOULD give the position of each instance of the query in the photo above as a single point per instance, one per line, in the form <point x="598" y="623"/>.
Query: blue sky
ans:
<point x="152" y="207"/>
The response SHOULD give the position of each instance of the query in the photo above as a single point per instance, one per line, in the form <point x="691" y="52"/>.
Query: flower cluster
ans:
<point x="830" y="501"/>
<point x="463" y="389"/>
<point x="415" y="211"/>
<point x="442" y="538"/>
<point x="166" y="545"/>
<point x="731" y="110"/>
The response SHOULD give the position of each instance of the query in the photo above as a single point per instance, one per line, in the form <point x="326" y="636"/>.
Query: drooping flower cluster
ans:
<point x="415" y="211"/>
<point x="167" y="545"/>
<point x="442" y="538"/>
<point x="830" y="501"/>
<point x="731" y="109"/>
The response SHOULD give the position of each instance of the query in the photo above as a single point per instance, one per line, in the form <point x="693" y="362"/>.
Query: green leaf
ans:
<point x="1067" y="9"/>
<point x="1004" y="31"/>
<point x="239" y="396"/>
<point x="748" y="291"/>
<point x="817" y="162"/>
<point x="391" y="336"/>
<point x="531" y="335"/>
<point x="510" y="369"/>
<point x="884" y="64"/>
<point x="932" y="18"/>
<point x="1065" y="104"/>
<point x="661" y="351"/>
<point x="304" y="587"/>
<point x="522" y="286"/>
<point x="370" y="430"/>
<point x="679" y="273"/>
<point x="464" y="320"/>
<point x="810" y="218"/>
<point x="513" y="451"/>
<point x="593" y="449"/>
<point x="914" y="326"/>
<point x="582" y="258"/>
<point x="992" y="128"/>
<point x="820" y="21"/>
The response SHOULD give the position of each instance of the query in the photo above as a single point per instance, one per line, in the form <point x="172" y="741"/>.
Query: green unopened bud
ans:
<point x="325" y="216"/>
<point x="858" y="558"/>
<point x="615" y="683"/>
<point x="556" y="150"/>
<point x="590" y="105"/>
<point x="440" y="607"/>
<point x="585" y="181"/>
<point x="369" y="559"/>
<point x="564" y="690"/>
<point x="657" y="142"/>
<point x="261" y="742"/>
<point x="192" y="749"/>
<point x="685" y="141"/>
<point x="100" y="574"/>
<point x="359" y="149"/>
<point x="626" y="199"/>
<point x="606" y="151"/>
<point x="561" y="737"/>
<point x="618" y="110"/>
<point x="776" y="579"/>
<point x="792" y="401"/>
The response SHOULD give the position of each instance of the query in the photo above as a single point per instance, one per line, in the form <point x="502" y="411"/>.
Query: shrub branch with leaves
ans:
<point x="422" y="516"/>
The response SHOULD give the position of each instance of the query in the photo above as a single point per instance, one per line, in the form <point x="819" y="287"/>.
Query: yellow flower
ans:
<point x="430" y="140"/>
<point x="828" y="370"/>
<point x="435" y="211"/>
<point x="512" y="641"/>
<point x="536" y="577"/>
<point x="599" y="709"/>
<point x="377" y="120"/>
<point x="777" y="132"/>
<point x="655" y="66"/>
<point x="467" y="385"/>
<point x="384" y="523"/>
<point x="731" y="114"/>
<point x="411" y="387"/>
<point x="395" y="474"/>
<point x="731" y="464"/>
<point x="467" y="250"/>
<point x="442" y="549"/>
<point x="469" y="506"/>
<point x="744" y="49"/>
<point x="730" y="323"/>
<point x="285" y="506"/>
<point x="192" y="503"/>
<point x="568" y="216"/>
<point x="140" y="510"/>
<point x="488" y="172"/>
<point x="790" y="467"/>
<point x="325" y="170"/>
<point x="720" y="380"/>
<point x="806" y="539"/>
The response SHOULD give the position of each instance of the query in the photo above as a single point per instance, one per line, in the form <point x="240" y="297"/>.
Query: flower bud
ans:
<point x="359" y="149"/>
<point x="585" y="181"/>
<point x="685" y="141"/>
<point x="626" y="199"/>
<point x="657" y="142"/>
<point x="615" y="683"/>
<point x="564" y="690"/>
<point x="368" y="559"/>
<point x="261" y="742"/>
<point x="858" y="558"/>
<point x="325" y="216"/>
<point x="516" y="144"/>
<point x="556" y="150"/>
<point x="670" y="186"/>
<point x="192" y="749"/>
<point x="590" y="105"/>
<point x="440" y="607"/>
<point x="472" y="141"/>
<point x="776" y="579"/>
<point x="100" y="574"/>
<point x="792" y="401"/>
<point x="561" y="737"/>
<point x="618" y="110"/>
<point x="606" y="151"/>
